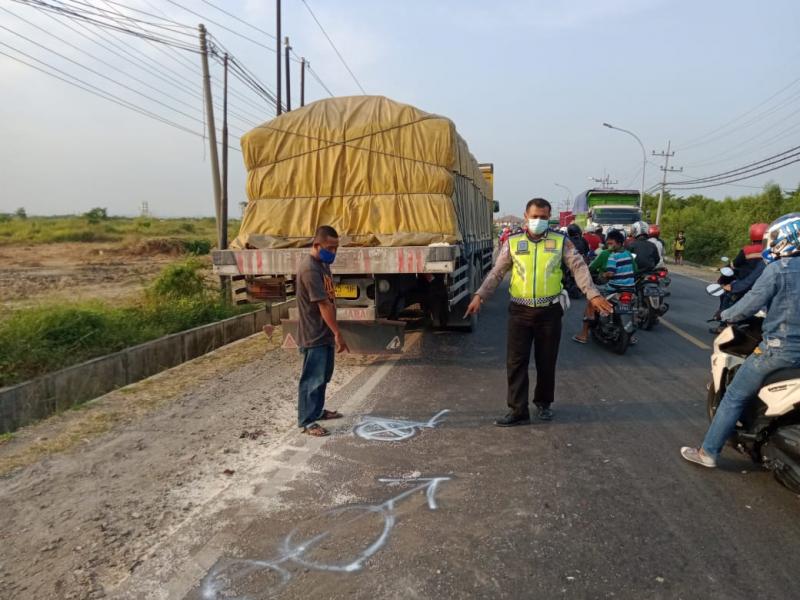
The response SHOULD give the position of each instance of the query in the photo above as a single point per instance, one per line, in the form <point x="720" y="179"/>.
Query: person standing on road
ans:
<point x="318" y="334"/>
<point x="776" y="289"/>
<point x="534" y="258"/>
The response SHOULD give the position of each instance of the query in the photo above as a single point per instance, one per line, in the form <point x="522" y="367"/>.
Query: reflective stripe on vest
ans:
<point x="536" y="272"/>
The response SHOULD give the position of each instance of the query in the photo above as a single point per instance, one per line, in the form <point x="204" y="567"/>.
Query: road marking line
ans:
<point x="684" y="335"/>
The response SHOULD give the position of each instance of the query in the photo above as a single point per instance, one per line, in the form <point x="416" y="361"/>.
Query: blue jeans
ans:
<point x="744" y="388"/>
<point x="316" y="374"/>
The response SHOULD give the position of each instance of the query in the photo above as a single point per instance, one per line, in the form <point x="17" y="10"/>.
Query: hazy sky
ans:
<point x="528" y="85"/>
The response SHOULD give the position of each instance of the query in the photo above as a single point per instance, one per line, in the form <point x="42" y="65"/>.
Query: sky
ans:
<point x="528" y="85"/>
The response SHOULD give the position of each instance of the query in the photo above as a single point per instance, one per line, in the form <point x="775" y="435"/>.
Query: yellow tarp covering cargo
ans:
<point x="381" y="172"/>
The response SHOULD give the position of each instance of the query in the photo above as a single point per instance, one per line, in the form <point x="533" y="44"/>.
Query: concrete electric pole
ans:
<point x="665" y="169"/>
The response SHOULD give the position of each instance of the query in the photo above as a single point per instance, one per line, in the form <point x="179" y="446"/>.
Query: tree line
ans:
<point x="717" y="228"/>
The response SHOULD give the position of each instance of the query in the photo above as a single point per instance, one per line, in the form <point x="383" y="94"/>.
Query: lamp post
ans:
<point x="644" y="157"/>
<point x="569" y="194"/>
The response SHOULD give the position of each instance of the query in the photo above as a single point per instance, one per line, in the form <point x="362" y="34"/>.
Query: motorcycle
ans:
<point x="726" y="276"/>
<point x="616" y="328"/>
<point x="769" y="430"/>
<point x="650" y="294"/>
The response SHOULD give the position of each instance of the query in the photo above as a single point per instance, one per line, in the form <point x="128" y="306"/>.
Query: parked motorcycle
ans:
<point x="615" y="329"/>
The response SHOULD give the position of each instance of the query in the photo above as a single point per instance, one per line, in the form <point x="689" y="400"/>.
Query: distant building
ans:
<point x="509" y="221"/>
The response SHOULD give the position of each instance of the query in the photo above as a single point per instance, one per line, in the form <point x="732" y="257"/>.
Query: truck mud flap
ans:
<point x="381" y="336"/>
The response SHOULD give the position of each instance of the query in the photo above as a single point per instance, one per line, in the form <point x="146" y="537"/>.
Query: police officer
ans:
<point x="535" y="311"/>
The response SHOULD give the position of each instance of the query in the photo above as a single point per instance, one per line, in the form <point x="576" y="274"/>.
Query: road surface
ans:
<point x="596" y="504"/>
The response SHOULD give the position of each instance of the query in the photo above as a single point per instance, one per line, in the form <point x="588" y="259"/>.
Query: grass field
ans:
<point x="78" y="287"/>
<point x="15" y="230"/>
<point x="51" y="336"/>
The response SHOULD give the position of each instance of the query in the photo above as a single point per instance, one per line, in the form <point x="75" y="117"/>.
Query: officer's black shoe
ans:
<point x="510" y="420"/>
<point x="544" y="413"/>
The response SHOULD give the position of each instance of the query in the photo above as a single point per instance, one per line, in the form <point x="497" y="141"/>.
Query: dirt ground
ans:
<point x="78" y="271"/>
<point x="88" y="496"/>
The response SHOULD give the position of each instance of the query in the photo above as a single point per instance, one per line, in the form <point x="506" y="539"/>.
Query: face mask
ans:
<point x="327" y="256"/>
<point x="537" y="226"/>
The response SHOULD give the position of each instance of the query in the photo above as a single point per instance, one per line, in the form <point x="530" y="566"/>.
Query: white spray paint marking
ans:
<point x="380" y="429"/>
<point x="222" y="579"/>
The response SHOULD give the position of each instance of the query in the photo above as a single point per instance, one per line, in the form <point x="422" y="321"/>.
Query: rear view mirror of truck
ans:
<point x="496" y="206"/>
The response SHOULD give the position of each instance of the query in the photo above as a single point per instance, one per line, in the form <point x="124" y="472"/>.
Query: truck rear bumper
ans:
<point x="349" y="260"/>
<point x="380" y="336"/>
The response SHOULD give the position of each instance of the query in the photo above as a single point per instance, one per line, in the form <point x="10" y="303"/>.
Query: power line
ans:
<point x="335" y="49"/>
<point x="220" y="25"/>
<point x="85" y="16"/>
<point x="98" y="73"/>
<point x="692" y="142"/>
<point x="700" y="187"/>
<point x="233" y="16"/>
<point x="752" y="166"/>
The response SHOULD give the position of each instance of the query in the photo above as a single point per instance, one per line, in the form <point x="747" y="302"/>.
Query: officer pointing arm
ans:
<point x="535" y="258"/>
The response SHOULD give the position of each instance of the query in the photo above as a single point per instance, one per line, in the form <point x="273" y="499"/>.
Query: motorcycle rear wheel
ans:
<point x="622" y="342"/>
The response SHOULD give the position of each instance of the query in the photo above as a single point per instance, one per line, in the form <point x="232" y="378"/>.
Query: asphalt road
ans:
<point x="596" y="504"/>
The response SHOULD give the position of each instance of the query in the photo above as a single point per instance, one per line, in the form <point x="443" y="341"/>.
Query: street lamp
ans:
<point x="644" y="157"/>
<point x="569" y="194"/>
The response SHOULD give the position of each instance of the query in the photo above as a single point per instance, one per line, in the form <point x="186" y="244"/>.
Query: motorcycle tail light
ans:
<point x="626" y="297"/>
<point x="662" y="274"/>
<point x="652" y="278"/>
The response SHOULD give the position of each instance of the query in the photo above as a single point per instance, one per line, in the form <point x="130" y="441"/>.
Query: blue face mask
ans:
<point x="327" y="256"/>
<point x="538" y="226"/>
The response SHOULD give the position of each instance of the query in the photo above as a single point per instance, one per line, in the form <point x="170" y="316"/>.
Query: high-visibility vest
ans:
<point x="536" y="272"/>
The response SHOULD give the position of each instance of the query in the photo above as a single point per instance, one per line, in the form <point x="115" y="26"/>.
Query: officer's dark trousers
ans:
<point x="540" y="328"/>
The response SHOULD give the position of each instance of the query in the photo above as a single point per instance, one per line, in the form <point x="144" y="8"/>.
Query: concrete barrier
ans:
<point x="27" y="402"/>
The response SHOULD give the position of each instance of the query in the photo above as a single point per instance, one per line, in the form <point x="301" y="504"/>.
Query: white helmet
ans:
<point x="783" y="237"/>
<point x="639" y="228"/>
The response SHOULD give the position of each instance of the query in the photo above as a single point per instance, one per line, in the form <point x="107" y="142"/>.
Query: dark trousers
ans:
<point x="540" y="328"/>
<point x="316" y="374"/>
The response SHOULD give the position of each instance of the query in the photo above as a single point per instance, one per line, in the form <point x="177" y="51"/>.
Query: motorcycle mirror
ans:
<point x="724" y="259"/>
<point x="714" y="289"/>
<point x="727" y="271"/>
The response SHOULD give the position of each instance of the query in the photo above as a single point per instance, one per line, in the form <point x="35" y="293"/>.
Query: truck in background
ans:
<point x="412" y="206"/>
<point x="612" y="209"/>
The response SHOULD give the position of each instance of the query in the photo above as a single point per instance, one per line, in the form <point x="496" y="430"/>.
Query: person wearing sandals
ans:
<point x="318" y="334"/>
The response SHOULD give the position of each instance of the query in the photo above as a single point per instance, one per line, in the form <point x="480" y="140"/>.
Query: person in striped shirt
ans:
<point x="619" y="271"/>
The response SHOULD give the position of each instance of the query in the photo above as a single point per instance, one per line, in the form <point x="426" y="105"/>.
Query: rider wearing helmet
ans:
<point x="647" y="256"/>
<point x="776" y="289"/>
<point x="575" y="236"/>
<point x="749" y="256"/>
<point x="653" y="236"/>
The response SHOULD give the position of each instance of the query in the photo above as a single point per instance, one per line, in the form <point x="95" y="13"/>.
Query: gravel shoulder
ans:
<point x="88" y="496"/>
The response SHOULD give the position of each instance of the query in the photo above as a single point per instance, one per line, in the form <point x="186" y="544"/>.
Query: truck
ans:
<point x="412" y="206"/>
<point x="612" y="209"/>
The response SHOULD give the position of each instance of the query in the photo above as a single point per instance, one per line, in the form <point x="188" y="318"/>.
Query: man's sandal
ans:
<point x="580" y="340"/>
<point x="315" y="431"/>
<point x="330" y="414"/>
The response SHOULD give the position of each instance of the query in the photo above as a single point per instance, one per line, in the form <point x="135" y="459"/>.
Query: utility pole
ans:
<point x="666" y="169"/>
<point x="278" y="52"/>
<point x="225" y="282"/>
<point x="303" y="81"/>
<point x="212" y="132"/>
<point x="288" y="51"/>
<point x="223" y="226"/>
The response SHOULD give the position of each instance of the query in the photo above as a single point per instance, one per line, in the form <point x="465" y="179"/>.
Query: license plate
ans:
<point x="652" y="291"/>
<point x="348" y="291"/>
<point x="623" y="309"/>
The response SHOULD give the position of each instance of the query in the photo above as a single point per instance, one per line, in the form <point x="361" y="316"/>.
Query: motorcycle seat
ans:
<point x="782" y="375"/>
